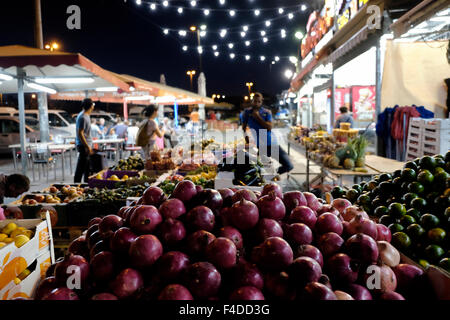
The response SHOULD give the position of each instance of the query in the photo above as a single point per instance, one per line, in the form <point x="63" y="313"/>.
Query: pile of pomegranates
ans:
<point x="232" y="245"/>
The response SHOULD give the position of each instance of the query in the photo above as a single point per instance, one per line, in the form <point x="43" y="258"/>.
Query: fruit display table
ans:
<point x="383" y="165"/>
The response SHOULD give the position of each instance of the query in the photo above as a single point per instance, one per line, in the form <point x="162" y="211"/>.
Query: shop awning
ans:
<point x="143" y="92"/>
<point x="58" y="71"/>
<point x="350" y="45"/>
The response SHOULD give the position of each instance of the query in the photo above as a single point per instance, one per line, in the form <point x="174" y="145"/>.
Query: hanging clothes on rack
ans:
<point x="386" y="144"/>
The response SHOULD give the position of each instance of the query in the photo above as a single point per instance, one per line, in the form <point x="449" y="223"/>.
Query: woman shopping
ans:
<point x="148" y="131"/>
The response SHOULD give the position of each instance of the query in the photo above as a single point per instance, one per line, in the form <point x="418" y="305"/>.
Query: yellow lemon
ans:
<point x="28" y="233"/>
<point x="17" y="281"/>
<point x="8" y="240"/>
<point x="15" y="233"/>
<point x="125" y="177"/>
<point x="99" y="176"/>
<point x="25" y="273"/>
<point x="20" y="240"/>
<point x="3" y="236"/>
<point x="2" y="244"/>
<point x="10" y="227"/>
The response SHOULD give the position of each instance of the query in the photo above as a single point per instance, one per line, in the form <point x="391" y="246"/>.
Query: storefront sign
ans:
<point x="363" y="98"/>
<point x="307" y="59"/>
<point x="349" y="11"/>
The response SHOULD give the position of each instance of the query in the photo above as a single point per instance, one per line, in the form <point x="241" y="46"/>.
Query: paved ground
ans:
<point x="38" y="183"/>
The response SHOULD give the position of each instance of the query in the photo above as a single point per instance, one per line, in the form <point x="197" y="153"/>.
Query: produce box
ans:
<point x="110" y="184"/>
<point x="27" y="286"/>
<point x="31" y="211"/>
<point x="14" y="259"/>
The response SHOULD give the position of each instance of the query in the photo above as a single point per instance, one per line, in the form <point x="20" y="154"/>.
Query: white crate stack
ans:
<point x="427" y="137"/>
<point x="414" y="143"/>
<point x="436" y="136"/>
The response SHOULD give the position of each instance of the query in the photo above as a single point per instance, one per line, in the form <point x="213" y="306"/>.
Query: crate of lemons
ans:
<point x="13" y="233"/>
<point x="114" y="177"/>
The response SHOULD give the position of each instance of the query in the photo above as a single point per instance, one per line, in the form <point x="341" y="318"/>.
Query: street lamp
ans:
<point x="249" y="85"/>
<point x="196" y="30"/>
<point x="191" y="73"/>
<point x="52" y="47"/>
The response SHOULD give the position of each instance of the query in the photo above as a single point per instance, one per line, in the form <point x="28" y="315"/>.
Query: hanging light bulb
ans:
<point x="193" y="3"/>
<point x="230" y="45"/>
<point x="165" y="3"/>
<point x="166" y="31"/>
<point x="247" y="57"/>
<point x="281" y="11"/>
<point x="291" y="16"/>
<point x="263" y="33"/>
<point x="243" y="34"/>
<point x="277" y="58"/>
<point x="203" y="27"/>
<point x="200" y="49"/>
<point x="182" y="33"/>
<point x="265" y="39"/>
<point x="138" y="2"/>
<point x="232" y="13"/>
<point x="223" y="33"/>
<point x="262" y="58"/>
<point x="180" y="10"/>
<point x="268" y="23"/>
<point x="283" y="33"/>
<point x="232" y="55"/>
<point x="206" y="12"/>
<point x="273" y="62"/>
<point x="247" y="43"/>
<point x="288" y="73"/>
<point x="293" y="59"/>
<point x="222" y="2"/>
<point x="216" y="54"/>
<point x="202" y="34"/>
<point x="303" y="7"/>
<point x="153" y="6"/>
<point x="245" y="28"/>
<point x="257" y="12"/>
<point x="299" y="35"/>
<point x="185" y="48"/>
<point x="214" y="47"/>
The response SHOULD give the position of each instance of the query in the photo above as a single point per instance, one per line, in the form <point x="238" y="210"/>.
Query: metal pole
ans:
<point x="21" y="98"/>
<point x="42" y="96"/>
<point x="199" y="54"/>
<point x="378" y="81"/>
<point x="332" y="100"/>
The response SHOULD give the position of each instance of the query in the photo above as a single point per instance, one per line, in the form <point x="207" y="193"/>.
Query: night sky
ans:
<point x="127" y="38"/>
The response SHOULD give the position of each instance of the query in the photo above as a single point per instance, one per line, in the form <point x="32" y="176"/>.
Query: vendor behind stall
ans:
<point x="13" y="185"/>
<point x="148" y="131"/>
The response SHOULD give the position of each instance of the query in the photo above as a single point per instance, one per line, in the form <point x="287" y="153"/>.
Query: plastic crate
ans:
<point x="436" y="141"/>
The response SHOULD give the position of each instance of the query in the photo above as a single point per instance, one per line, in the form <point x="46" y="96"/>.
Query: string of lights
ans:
<point x="167" y="4"/>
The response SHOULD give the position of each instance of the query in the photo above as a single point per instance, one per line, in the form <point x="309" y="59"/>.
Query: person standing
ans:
<point x="13" y="186"/>
<point x="83" y="140"/>
<point x="344" y="117"/>
<point x="259" y="120"/>
<point x="131" y="133"/>
<point x="101" y="126"/>
<point x="148" y="131"/>
<point x="96" y="133"/>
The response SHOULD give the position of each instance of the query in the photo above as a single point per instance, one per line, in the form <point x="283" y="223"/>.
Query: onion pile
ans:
<point x="232" y="245"/>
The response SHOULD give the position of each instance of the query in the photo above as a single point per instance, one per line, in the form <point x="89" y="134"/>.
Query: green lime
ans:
<point x="395" y="227"/>
<point x="377" y="201"/>
<point x="441" y="178"/>
<point x="415" y="231"/>
<point x="337" y="192"/>
<point x="408" y="197"/>
<point x="396" y="210"/>
<point x="410" y="165"/>
<point x="401" y="241"/>
<point x="386" y="188"/>
<point x="386" y="220"/>
<point x="424" y="263"/>
<point x="447" y="157"/>
<point x="385" y="177"/>
<point x="397" y="174"/>
<point x="434" y="253"/>
<point x="418" y="203"/>
<point x="408" y="174"/>
<point x="364" y="199"/>
<point x="439" y="169"/>
<point x="407" y="220"/>
<point x="381" y="211"/>
<point x="440" y="163"/>
<point x="397" y="182"/>
<point x="427" y="162"/>
<point x="436" y="235"/>
<point x="357" y="187"/>
<point x="447" y="212"/>
<point x="416" y="187"/>
<point x="414" y="213"/>
<point x="442" y="202"/>
<point x="375" y="192"/>
<point x="372" y="184"/>
<point x="425" y="177"/>
<point x="416" y="161"/>
<point x="429" y="221"/>
<point x="352" y="195"/>
<point x="445" y="264"/>
<point x="431" y="196"/>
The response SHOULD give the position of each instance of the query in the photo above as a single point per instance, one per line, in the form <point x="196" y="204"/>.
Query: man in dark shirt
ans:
<point x="13" y="185"/>
<point x="259" y="119"/>
<point x="344" y="117"/>
<point x="83" y="140"/>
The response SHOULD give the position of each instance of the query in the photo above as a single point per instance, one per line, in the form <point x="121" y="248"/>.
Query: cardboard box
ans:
<point x="27" y="286"/>
<point x="15" y="260"/>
